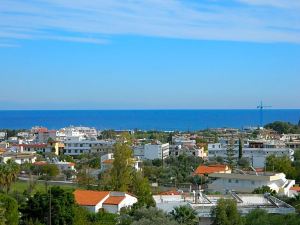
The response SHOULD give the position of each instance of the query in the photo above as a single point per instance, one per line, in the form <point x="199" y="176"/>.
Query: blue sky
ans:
<point x="63" y="54"/>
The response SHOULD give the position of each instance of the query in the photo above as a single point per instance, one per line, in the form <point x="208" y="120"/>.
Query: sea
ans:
<point x="163" y="120"/>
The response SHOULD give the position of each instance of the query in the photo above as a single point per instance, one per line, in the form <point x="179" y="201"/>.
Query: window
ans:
<point x="76" y="151"/>
<point x="81" y="151"/>
<point x="236" y="181"/>
<point x="252" y="182"/>
<point x="229" y="181"/>
<point x="69" y="151"/>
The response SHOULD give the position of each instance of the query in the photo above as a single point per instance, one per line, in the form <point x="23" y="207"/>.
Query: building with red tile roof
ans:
<point x="109" y="201"/>
<point x="218" y="168"/>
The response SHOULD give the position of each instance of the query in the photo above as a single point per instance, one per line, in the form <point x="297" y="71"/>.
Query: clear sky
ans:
<point x="150" y="54"/>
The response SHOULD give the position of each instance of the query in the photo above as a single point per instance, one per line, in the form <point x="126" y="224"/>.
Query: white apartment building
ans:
<point x="246" y="182"/>
<point x="80" y="145"/>
<point x="192" y="150"/>
<point x="156" y="151"/>
<point x="2" y="136"/>
<point x="256" y="152"/>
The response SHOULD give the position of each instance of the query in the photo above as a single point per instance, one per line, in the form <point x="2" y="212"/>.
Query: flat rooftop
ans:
<point x="204" y="203"/>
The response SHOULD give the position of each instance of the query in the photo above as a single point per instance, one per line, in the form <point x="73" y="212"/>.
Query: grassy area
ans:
<point x="21" y="186"/>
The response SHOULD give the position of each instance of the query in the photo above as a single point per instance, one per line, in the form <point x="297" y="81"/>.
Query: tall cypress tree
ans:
<point x="240" y="148"/>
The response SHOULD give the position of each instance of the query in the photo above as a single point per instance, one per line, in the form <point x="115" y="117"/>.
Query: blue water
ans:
<point x="144" y="119"/>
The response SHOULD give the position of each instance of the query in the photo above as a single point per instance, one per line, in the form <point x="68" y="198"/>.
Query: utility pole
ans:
<point x="50" y="222"/>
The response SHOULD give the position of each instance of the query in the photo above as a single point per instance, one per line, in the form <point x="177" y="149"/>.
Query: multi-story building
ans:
<point x="3" y="136"/>
<point x="190" y="150"/>
<point x="156" y="151"/>
<point x="80" y="145"/>
<point x="246" y="182"/>
<point x="42" y="134"/>
<point x="255" y="151"/>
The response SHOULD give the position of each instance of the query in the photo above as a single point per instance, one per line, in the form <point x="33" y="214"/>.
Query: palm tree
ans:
<point x="186" y="215"/>
<point x="8" y="174"/>
<point x="14" y="170"/>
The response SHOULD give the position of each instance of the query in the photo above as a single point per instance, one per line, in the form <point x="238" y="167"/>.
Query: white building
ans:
<point x="80" y="145"/>
<point x="203" y="204"/>
<point x="2" y="136"/>
<point x="256" y="152"/>
<point x="112" y="202"/>
<point x="106" y="162"/>
<point x="19" y="158"/>
<point x="80" y="131"/>
<point x="190" y="150"/>
<point x="246" y="182"/>
<point x="156" y="151"/>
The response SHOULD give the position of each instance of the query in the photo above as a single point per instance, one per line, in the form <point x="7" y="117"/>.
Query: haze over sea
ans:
<point x="166" y="120"/>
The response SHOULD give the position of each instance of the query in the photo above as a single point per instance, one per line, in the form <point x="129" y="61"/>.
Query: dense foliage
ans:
<point x="146" y="216"/>
<point x="281" y="164"/>
<point x="56" y="202"/>
<point x="8" y="174"/>
<point x="284" y="127"/>
<point x="9" y="210"/>
<point x="185" y="215"/>
<point x="263" y="190"/>
<point x="174" y="170"/>
<point x="226" y="213"/>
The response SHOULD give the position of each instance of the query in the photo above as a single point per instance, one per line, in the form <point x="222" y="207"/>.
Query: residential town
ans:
<point x="114" y="171"/>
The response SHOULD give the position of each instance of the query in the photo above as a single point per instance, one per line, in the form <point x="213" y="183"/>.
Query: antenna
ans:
<point x="261" y="107"/>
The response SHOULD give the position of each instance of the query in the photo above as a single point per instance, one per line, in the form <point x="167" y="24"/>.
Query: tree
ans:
<point x="62" y="207"/>
<point x="244" y="162"/>
<point x="8" y="174"/>
<point x="2" y="216"/>
<point x="283" y="127"/>
<point x="122" y="167"/>
<point x="9" y="209"/>
<point x="185" y="215"/>
<point x="281" y="164"/>
<point x="257" y="217"/>
<point x="240" y="148"/>
<point x="141" y="188"/>
<point x="146" y="216"/>
<point x="263" y="190"/>
<point x="50" y="170"/>
<point x="230" y="154"/>
<point x="226" y="213"/>
<point x="84" y="178"/>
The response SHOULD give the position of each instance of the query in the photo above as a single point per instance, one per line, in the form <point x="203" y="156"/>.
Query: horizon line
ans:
<point x="147" y="109"/>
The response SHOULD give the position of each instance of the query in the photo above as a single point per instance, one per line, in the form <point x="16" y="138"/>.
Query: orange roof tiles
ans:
<point x="108" y="161"/>
<point x="171" y="192"/>
<point x="202" y="169"/>
<point x="114" y="200"/>
<point x="86" y="197"/>
<point x="295" y="189"/>
<point x="40" y="163"/>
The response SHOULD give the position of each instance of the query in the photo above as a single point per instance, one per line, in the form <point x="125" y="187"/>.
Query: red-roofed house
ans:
<point x="205" y="170"/>
<point x="294" y="191"/>
<point x="110" y="201"/>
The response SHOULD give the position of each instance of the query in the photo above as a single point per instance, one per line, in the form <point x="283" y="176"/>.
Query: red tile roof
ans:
<point x="295" y="189"/>
<point x="202" y="169"/>
<point x="86" y="197"/>
<point x="33" y="145"/>
<point x="171" y="192"/>
<point x="114" y="200"/>
<point x="40" y="163"/>
<point x="108" y="161"/>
